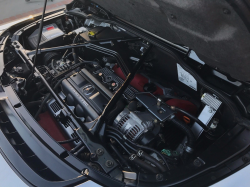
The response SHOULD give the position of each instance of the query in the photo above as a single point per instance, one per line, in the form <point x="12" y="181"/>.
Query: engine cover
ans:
<point x="134" y="124"/>
<point x="86" y="94"/>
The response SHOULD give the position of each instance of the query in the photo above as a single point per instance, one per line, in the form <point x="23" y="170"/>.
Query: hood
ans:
<point x="217" y="30"/>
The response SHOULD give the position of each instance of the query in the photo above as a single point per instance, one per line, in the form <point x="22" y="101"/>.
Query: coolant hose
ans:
<point x="190" y="135"/>
<point x="191" y="116"/>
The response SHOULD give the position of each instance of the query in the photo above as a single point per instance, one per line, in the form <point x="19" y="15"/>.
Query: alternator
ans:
<point x="134" y="124"/>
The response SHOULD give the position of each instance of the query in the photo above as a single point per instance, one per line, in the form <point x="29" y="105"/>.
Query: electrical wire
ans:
<point x="119" y="134"/>
<point x="68" y="141"/>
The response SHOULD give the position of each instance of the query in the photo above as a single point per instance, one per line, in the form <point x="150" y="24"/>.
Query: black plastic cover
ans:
<point x="84" y="96"/>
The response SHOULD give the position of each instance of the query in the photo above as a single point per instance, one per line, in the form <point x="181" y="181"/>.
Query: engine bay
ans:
<point x="120" y="103"/>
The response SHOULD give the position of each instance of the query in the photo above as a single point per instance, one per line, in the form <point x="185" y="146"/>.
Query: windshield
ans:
<point x="14" y="11"/>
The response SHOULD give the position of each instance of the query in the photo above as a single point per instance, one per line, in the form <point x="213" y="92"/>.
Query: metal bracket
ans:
<point x="93" y="147"/>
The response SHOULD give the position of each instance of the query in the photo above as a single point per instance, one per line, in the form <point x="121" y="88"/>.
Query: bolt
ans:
<point x="85" y="172"/>
<point x="245" y="159"/>
<point x="197" y="162"/>
<point x="19" y="69"/>
<point x="100" y="74"/>
<point x="99" y="152"/>
<point x="159" y="102"/>
<point x="109" y="163"/>
<point x="161" y="111"/>
<point x="172" y="116"/>
<point x="214" y="123"/>
<point x="159" y="177"/>
<point x="93" y="157"/>
<point x="155" y="121"/>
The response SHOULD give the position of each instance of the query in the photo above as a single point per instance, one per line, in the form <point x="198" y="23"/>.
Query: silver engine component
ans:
<point x="49" y="32"/>
<point x="134" y="124"/>
<point x="212" y="104"/>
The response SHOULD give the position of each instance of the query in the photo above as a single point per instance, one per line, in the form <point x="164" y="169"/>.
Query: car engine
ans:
<point x="122" y="104"/>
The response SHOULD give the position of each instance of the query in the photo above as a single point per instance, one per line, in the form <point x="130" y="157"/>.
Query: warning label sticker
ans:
<point x="186" y="78"/>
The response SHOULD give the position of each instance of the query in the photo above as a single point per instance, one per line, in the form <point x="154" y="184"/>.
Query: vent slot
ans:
<point x="23" y="149"/>
<point x="55" y="107"/>
<point x="73" y="135"/>
<point x="66" y="124"/>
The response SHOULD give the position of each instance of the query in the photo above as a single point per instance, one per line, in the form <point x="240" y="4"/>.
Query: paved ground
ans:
<point x="11" y="10"/>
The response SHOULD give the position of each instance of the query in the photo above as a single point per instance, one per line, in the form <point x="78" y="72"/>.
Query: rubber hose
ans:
<point x="192" y="117"/>
<point x="119" y="134"/>
<point x="65" y="54"/>
<point x="74" y="51"/>
<point x="120" y="105"/>
<point x="242" y="106"/>
<point x="154" y="161"/>
<point x="42" y="104"/>
<point x="187" y="130"/>
<point x="68" y="141"/>
<point x="33" y="103"/>
<point x="145" y="165"/>
<point x="68" y="55"/>
<point x="119" y="155"/>
<point x="37" y="93"/>
<point x="152" y="150"/>
<point x="113" y="137"/>
<point x="79" y="151"/>
<point x="121" y="139"/>
<point x="76" y="147"/>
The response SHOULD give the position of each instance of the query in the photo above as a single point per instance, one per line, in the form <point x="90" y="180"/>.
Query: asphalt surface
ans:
<point x="11" y="10"/>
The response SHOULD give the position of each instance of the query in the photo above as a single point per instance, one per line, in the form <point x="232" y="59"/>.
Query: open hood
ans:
<point x="218" y="31"/>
